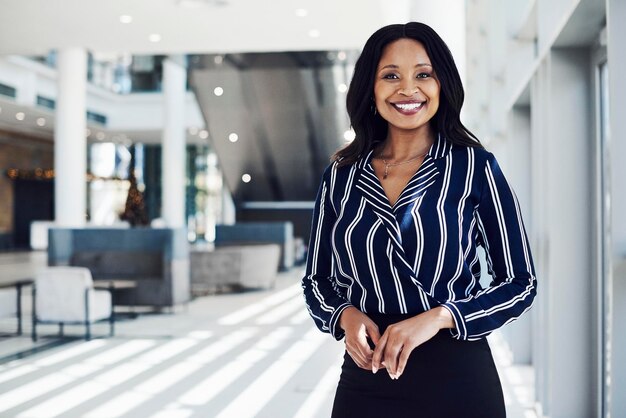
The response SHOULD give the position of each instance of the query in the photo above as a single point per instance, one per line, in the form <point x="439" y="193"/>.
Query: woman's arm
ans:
<point x="323" y="298"/>
<point x="509" y="259"/>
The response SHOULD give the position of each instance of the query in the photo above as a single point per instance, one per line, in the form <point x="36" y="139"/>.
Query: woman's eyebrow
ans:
<point x="395" y="67"/>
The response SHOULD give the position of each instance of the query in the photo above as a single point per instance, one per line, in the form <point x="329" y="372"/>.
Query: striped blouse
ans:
<point x="421" y="252"/>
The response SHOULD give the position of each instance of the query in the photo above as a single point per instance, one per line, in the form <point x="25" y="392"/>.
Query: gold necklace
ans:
<point x="387" y="165"/>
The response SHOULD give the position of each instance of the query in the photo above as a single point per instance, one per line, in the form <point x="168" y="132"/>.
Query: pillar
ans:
<point x="562" y="235"/>
<point x="173" y="156"/>
<point x="70" y="144"/>
<point x="616" y="375"/>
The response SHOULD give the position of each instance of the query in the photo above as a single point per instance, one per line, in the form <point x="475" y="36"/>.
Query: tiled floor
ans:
<point x="253" y="354"/>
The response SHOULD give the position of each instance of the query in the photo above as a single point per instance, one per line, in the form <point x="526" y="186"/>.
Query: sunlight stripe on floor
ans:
<point x="70" y="374"/>
<point x="68" y="353"/>
<point x="281" y="311"/>
<point x="174" y="413"/>
<point x="17" y="372"/>
<point x="42" y="386"/>
<point x="167" y="351"/>
<point x="147" y="390"/>
<point x="260" y="306"/>
<point x="120" y="352"/>
<point x="209" y="388"/>
<point x="324" y="390"/>
<point x="70" y="399"/>
<point x="261" y="391"/>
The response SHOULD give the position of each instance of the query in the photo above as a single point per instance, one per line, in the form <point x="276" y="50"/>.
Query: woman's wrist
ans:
<point x="343" y="315"/>
<point x="443" y="317"/>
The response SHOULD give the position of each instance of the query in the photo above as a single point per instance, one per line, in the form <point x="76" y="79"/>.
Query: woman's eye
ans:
<point x="390" y="77"/>
<point x="423" y="75"/>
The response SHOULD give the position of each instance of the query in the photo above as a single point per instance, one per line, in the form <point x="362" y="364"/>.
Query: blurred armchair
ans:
<point x="8" y="304"/>
<point x="65" y="295"/>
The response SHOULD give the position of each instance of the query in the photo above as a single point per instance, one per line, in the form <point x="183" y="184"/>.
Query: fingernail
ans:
<point x="374" y="369"/>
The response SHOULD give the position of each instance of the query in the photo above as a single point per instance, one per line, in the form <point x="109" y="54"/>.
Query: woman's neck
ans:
<point x="401" y="145"/>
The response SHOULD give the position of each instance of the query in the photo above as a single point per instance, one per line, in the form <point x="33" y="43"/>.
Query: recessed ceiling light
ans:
<point x="20" y="115"/>
<point x="233" y="137"/>
<point x="349" y="135"/>
<point x="126" y="19"/>
<point x="302" y="12"/>
<point x="314" y="33"/>
<point x="218" y="91"/>
<point x="87" y="132"/>
<point x="193" y="130"/>
<point x="204" y="134"/>
<point x="41" y="122"/>
<point x="155" y="37"/>
<point x="246" y="178"/>
<point x="194" y="4"/>
<point x="342" y="88"/>
<point x="100" y="136"/>
<point x="341" y="55"/>
<point x="218" y="59"/>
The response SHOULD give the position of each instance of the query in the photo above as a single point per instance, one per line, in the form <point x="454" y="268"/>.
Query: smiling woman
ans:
<point x="392" y="264"/>
<point x="406" y="91"/>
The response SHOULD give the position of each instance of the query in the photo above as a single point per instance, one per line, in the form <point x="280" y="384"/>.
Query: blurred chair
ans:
<point x="11" y="299"/>
<point x="65" y="295"/>
<point x="8" y="303"/>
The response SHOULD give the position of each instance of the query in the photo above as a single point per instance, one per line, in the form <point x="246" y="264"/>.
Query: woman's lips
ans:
<point x="408" y="108"/>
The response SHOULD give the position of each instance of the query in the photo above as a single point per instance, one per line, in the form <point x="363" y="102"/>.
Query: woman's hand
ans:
<point x="358" y="327"/>
<point x="401" y="338"/>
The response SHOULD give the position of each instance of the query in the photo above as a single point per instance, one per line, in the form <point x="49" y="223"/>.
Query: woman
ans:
<point x="393" y="264"/>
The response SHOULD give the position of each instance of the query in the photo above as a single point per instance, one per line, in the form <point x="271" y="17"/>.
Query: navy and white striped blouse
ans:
<point x="421" y="252"/>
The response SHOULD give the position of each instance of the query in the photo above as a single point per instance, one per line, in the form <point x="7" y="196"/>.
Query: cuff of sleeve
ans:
<point x="460" y="330"/>
<point x="335" y="329"/>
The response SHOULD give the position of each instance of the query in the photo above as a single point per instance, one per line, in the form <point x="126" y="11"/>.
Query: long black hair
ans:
<point x="370" y="127"/>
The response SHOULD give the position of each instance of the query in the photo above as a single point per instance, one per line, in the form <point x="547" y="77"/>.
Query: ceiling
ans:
<point x="33" y="27"/>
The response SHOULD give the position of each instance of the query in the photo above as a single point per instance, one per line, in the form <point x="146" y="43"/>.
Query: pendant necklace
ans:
<point x="387" y="165"/>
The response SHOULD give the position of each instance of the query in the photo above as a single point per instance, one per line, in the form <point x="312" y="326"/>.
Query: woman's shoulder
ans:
<point x="340" y="166"/>
<point x="480" y="154"/>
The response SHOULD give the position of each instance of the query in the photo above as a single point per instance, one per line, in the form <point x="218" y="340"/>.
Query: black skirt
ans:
<point x="444" y="378"/>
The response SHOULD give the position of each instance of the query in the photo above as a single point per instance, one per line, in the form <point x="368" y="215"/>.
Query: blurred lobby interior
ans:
<point x="173" y="150"/>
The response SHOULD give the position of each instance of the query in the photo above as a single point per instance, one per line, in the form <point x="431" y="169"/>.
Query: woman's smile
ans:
<point x="408" y="107"/>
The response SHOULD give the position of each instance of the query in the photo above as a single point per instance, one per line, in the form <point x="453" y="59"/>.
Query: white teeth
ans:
<point x="408" y="106"/>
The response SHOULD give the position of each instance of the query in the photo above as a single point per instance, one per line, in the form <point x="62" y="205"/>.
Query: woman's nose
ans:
<point x="408" y="90"/>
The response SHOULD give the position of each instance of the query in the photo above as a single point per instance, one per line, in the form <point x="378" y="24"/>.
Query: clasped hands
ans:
<point x="393" y="348"/>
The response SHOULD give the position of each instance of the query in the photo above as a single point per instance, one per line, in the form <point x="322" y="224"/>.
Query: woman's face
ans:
<point x="406" y="90"/>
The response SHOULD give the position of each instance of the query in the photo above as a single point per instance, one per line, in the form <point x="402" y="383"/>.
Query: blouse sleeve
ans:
<point x="324" y="300"/>
<point x="502" y="234"/>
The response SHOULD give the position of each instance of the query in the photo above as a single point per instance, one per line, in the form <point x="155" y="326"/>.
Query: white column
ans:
<point x="616" y="13"/>
<point x="174" y="89"/>
<point x="70" y="144"/>
<point x="518" y="168"/>
<point x="562" y="169"/>
<point x="447" y="18"/>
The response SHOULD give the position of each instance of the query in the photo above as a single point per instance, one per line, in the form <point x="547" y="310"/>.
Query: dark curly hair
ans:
<point x="371" y="128"/>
